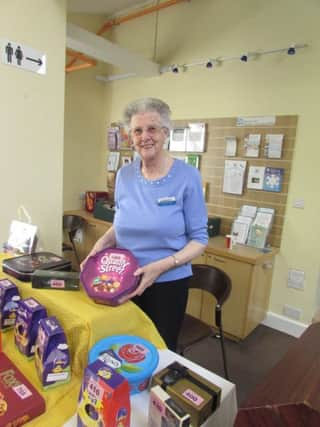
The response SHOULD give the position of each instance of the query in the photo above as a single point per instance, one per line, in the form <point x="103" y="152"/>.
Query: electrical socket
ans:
<point x="298" y="203"/>
<point x="296" y="279"/>
<point x="292" y="312"/>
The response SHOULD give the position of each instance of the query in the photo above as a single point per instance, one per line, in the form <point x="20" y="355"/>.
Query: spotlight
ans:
<point x="175" y="69"/>
<point x="210" y="63"/>
<point x="291" y="50"/>
<point x="244" y="58"/>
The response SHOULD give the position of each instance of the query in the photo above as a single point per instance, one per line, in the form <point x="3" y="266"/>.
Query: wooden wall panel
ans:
<point x="212" y="161"/>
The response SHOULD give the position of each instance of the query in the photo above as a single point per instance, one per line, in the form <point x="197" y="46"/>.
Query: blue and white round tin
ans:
<point x="133" y="357"/>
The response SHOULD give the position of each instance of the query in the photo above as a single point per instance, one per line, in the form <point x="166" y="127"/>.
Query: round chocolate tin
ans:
<point x="133" y="357"/>
<point x="108" y="275"/>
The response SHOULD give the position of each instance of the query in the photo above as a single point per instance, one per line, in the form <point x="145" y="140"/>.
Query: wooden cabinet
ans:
<point x="250" y="271"/>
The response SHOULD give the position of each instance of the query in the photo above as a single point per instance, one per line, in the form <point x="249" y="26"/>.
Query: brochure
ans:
<point x="273" y="178"/>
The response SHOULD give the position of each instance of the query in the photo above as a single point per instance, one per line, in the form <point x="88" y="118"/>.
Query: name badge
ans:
<point x="164" y="201"/>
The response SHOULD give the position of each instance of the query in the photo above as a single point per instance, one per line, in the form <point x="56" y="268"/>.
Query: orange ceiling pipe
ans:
<point x="118" y="21"/>
<point x="79" y="66"/>
<point x="138" y="14"/>
<point x="81" y="56"/>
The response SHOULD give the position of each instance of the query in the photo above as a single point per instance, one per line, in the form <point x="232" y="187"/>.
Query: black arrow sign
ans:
<point x="38" y="61"/>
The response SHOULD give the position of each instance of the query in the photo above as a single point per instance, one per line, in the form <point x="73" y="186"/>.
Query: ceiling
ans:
<point x="105" y="7"/>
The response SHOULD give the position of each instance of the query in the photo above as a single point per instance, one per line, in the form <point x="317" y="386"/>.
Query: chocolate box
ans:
<point x="9" y="301"/>
<point x="29" y="312"/>
<point x="19" y="400"/>
<point x="133" y="357"/>
<point x="164" y="411"/>
<point x="52" y="357"/>
<point x="23" y="267"/>
<point x="108" y="275"/>
<point x="197" y="396"/>
<point x="104" y="398"/>
<point x="52" y="279"/>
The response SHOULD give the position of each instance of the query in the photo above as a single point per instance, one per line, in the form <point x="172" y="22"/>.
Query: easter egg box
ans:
<point x="9" y="303"/>
<point x="108" y="275"/>
<point x="104" y="398"/>
<point x="29" y="312"/>
<point x="52" y="357"/>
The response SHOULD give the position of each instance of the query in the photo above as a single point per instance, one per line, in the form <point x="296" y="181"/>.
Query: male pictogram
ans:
<point x="9" y="52"/>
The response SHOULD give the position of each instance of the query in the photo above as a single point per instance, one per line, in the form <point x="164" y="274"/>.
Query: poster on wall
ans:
<point x="195" y="140"/>
<point x="233" y="178"/>
<point x="178" y="138"/>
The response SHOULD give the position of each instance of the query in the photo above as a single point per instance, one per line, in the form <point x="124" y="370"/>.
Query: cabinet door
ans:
<point x="258" y="302"/>
<point x="234" y="311"/>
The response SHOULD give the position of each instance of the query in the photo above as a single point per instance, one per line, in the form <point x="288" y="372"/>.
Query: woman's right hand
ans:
<point x="91" y="253"/>
<point x="106" y="241"/>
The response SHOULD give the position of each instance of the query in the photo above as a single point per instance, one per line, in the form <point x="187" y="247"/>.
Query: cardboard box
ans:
<point x="164" y="411"/>
<point x="19" y="400"/>
<point x="29" y="312"/>
<point x="104" y="398"/>
<point x="9" y="302"/>
<point x="52" y="356"/>
<point x="52" y="279"/>
<point x="197" y="396"/>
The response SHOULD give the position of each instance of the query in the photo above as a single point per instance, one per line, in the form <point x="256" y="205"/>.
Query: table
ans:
<point x="224" y="416"/>
<point x="84" y="323"/>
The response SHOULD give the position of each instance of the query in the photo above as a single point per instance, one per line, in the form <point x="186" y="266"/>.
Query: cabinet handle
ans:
<point x="219" y="259"/>
<point x="267" y="265"/>
<point x="92" y="225"/>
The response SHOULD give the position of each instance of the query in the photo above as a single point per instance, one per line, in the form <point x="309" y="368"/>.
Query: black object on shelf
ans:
<point x="104" y="210"/>
<point x="214" y="226"/>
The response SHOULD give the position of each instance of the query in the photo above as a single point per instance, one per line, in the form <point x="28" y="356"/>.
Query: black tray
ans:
<point x="23" y="267"/>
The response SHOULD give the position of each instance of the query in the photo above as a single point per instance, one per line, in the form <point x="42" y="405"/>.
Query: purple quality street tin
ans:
<point x="108" y="275"/>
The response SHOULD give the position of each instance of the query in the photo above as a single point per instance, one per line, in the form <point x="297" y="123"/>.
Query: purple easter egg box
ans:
<point x="108" y="275"/>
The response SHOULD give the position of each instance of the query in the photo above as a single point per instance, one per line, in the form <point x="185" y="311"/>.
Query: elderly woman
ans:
<point x="160" y="217"/>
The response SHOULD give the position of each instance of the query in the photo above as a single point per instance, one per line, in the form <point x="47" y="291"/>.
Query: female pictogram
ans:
<point x="19" y="55"/>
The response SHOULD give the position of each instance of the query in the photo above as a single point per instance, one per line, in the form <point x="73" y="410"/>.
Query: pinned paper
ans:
<point x="252" y="145"/>
<point x="234" y="176"/>
<point x="231" y="146"/>
<point x="273" y="147"/>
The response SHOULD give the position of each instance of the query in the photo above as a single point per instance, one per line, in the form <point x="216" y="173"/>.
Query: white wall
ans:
<point x="31" y="117"/>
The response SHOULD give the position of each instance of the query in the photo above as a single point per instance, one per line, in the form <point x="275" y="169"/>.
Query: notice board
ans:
<point x="212" y="163"/>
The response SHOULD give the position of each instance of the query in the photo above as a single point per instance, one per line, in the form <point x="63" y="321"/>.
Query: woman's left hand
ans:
<point x="149" y="273"/>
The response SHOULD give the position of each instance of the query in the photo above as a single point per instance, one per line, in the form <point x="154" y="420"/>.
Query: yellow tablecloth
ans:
<point x="84" y="323"/>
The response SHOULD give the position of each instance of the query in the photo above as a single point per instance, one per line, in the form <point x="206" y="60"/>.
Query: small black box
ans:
<point x="103" y="210"/>
<point x="54" y="279"/>
<point x="214" y="226"/>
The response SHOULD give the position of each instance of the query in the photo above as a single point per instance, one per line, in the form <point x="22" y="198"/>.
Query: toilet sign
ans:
<point x="22" y="56"/>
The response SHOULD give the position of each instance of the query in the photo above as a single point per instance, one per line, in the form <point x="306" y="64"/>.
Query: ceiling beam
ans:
<point x="103" y="50"/>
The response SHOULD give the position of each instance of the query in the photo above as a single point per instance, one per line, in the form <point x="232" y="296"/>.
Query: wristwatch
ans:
<point x="176" y="261"/>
